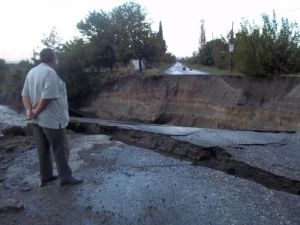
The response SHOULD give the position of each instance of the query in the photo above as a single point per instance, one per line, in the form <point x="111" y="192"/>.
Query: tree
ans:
<point x="169" y="58"/>
<point x="132" y="31"/>
<point x="3" y="70"/>
<point x="154" y="49"/>
<point x="73" y="57"/>
<point x="120" y="36"/>
<point x="73" y="62"/>
<point x="267" y="51"/>
<point x="288" y="53"/>
<point x="220" y="53"/>
<point x="13" y="83"/>
<point x="97" y="28"/>
<point x="161" y="44"/>
<point x="206" y="57"/>
<point x="248" y="50"/>
<point x="160" y="32"/>
<point x="53" y="40"/>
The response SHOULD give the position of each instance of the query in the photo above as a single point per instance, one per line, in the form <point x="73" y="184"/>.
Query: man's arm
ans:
<point x="28" y="107"/>
<point x="43" y="103"/>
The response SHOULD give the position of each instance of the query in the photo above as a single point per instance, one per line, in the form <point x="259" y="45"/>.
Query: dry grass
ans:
<point x="126" y="71"/>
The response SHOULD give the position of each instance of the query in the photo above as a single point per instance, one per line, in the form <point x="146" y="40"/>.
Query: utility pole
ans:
<point x="202" y="42"/>
<point x="202" y="34"/>
<point x="212" y="44"/>
<point x="231" y="47"/>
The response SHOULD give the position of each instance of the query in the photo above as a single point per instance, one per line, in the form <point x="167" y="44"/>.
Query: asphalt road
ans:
<point x="126" y="184"/>
<point x="130" y="185"/>
<point x="180" y="69"/>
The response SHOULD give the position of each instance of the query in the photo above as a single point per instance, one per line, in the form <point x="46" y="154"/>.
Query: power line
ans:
<point x="290" y="10"/>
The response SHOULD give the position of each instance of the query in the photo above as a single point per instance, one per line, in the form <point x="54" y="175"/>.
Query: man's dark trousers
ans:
<point x="56" y="139"/>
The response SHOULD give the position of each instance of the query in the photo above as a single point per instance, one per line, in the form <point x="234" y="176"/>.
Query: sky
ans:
<point x="24" y="23"/>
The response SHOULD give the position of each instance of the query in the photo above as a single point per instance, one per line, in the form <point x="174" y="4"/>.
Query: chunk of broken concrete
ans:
<point x="11" y="205"/>
<point x="14" y="131"/>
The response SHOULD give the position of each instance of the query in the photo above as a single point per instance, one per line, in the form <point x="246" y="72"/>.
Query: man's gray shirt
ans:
<point x="43" y="82"/>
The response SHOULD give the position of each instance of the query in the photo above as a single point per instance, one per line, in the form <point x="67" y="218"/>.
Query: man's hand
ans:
<point x="29" y="115"/>
<point x="34" y="113"/>
<point x="43" y="103"/>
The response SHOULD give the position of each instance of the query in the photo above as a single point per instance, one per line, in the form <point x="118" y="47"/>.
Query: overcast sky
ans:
<point x="23" y="23"/>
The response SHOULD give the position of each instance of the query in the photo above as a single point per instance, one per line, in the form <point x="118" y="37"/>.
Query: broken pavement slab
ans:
<point x="11" y="205"/>
<point x="130" y="184"/>
<point x="273" y="152"/>
<point x="125" y="184"/>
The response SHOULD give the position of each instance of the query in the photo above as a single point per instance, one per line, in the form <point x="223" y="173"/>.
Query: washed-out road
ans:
<point x="155" y="174"/>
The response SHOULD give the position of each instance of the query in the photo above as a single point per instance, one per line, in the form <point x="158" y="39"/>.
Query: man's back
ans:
<point x="43" y="82"/>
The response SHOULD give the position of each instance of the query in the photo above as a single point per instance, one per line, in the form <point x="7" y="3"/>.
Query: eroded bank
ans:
<point x="233" y="102"/>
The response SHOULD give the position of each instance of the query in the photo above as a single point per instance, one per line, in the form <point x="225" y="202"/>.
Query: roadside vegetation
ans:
<point x="103" y="52"/>
<point x="12" y="78"/>
<point x="110" y="40"/>
<point x="270" y="50"/>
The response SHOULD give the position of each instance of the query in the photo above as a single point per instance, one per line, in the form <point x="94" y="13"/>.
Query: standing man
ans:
<point x="45" y="99"/>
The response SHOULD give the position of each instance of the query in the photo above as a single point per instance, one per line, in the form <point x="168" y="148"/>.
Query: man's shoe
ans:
<point x="47" y="180"/>
<point x="70" y="181"/>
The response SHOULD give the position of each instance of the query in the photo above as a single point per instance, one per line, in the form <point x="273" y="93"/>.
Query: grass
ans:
<point x="106" y="76"/>
<point x="157" y="71"/>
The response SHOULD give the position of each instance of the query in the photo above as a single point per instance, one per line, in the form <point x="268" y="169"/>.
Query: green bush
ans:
<point x="270" y="50"/>
<point x="12" y="80"/>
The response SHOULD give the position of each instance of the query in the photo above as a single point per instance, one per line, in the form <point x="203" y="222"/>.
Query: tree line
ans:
<point x="108" y="42"/>
<point x="270" y="50"/>
<point x="110" y="39"/>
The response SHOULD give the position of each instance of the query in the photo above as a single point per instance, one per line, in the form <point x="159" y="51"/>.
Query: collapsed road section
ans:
<point x="152" y="175"/>
<point x="164" y="139"/>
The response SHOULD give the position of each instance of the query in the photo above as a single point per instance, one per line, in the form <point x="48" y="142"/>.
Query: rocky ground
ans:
<point x="150" y="174"/>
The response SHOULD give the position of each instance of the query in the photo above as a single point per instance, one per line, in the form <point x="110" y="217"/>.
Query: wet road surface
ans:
<point x="126" y="184"/>
<point x="9" y="116"/>
<point x="129" y="185"/>
<point x="180" y="69"/>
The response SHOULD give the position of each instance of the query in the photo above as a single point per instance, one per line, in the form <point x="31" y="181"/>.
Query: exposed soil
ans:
<point x="232" y="102"/>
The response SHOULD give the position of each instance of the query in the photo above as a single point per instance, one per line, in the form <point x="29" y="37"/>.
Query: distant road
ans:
<point x="180" y="69"/>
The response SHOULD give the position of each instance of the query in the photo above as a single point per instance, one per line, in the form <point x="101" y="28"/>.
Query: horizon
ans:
<point x="180" y="21"/>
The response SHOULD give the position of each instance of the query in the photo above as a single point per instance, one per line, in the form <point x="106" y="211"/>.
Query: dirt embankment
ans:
<point x="203" y="101"/>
